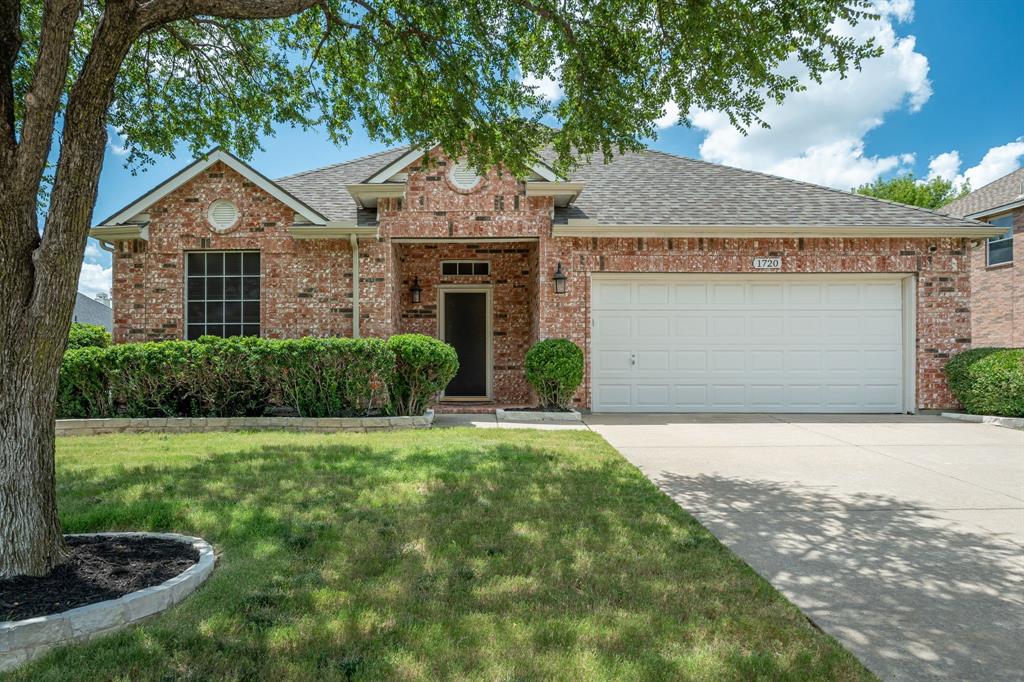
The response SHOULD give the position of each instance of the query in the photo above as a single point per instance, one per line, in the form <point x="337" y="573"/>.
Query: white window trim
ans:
<point x="1007" y="236"/>
<point x="184" y="286"/>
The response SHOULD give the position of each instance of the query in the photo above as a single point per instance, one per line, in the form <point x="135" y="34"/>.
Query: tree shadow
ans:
<point x="914" y="595"/>
<point x="455" y="555"/>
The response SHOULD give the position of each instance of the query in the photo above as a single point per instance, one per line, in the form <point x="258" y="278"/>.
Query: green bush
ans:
<point x="989" y="381"/>
<point x="87" y="336"/>
<point x="334" y="377"/>
<point x="423" y="366"/>
<point x="554" y="367"/>
<point x="233" y="377"/>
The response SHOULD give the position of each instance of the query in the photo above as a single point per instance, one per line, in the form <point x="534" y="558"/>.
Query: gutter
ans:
<point x="769" y="231"/>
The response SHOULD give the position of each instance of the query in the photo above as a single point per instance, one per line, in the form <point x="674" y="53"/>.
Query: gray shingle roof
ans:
<point x="1005" y="190"/>
<point x="324" y="188"/>
<point x="91" y="311"/>
<point x="655" y="188"/>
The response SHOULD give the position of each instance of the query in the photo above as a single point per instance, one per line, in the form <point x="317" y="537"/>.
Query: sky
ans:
<point x="946" y="98"/>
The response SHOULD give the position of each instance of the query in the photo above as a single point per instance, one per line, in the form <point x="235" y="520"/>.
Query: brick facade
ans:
<point x="997" y="292"/>
<point x="307" y="284"/>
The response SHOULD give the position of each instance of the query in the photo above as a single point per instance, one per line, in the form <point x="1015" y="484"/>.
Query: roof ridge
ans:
<point x="811" y="184"/>
<point x="341" y="163"/>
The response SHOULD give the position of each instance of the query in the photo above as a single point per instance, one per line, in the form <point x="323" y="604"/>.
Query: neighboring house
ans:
<point x="89" y="311"/>
<point x="689" y="286"/>
<point x="997" y="264"/>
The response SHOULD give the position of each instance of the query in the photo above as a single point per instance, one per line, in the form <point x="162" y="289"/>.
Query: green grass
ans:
<point x="465" y="554"/>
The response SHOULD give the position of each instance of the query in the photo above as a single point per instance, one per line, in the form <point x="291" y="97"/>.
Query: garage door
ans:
<point x="767" y="343"/>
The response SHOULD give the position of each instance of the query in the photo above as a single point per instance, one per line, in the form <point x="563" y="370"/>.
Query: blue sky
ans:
<point x="947" y="98"/>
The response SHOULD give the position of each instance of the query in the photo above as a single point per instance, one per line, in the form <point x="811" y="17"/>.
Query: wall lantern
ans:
<point x="559" y="279"/>
<point x="415" y="290"/>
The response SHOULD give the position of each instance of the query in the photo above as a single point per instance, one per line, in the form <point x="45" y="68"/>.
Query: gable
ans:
<point x="134" y="213"/>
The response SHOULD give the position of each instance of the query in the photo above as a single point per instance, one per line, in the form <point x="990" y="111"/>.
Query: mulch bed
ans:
<point x="98" y="569"/>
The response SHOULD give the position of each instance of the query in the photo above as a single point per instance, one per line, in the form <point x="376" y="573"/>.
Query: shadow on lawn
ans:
<point x="488" y="560"/>
<point x="907" y="589"/>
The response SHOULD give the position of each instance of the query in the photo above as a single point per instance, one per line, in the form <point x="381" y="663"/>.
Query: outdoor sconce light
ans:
<point x="415" y="290"/>
<point x="559" y="279"/>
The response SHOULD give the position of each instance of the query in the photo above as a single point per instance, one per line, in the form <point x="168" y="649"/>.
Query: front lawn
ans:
<point x="469" y="554"/>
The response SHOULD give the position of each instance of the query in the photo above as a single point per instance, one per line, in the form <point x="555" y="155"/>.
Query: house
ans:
<point x="997" y="264"/>
<point x="690" y="286"/>
<point x="91" y="311"/>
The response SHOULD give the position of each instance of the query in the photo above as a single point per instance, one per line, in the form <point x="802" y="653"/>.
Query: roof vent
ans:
<point x="463" y="175"/>
<point x="223" y="215"/>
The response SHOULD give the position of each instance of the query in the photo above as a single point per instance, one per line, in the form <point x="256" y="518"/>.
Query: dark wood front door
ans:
<point x="465" y="328"/>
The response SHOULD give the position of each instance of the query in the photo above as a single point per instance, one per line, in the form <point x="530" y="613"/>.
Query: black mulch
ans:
<point x="536" y="409"/>
<point x="99" y="568"/>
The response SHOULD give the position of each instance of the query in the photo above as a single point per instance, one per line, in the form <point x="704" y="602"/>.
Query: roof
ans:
<point x="324" y="188"/>
<point x="644" y="189"/>
<point x="90" y="311"/>
<point x="1001" y="193"/>
<point x="655" y="188"/>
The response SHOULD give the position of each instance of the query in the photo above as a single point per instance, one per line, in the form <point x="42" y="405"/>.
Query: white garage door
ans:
<point x="762" y="343"/>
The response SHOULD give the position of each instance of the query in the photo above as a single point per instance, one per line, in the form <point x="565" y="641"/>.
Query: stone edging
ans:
<point x="524" y="416"/>
<point x="90" y="427"/>
<point x="1006" y="422"/>
<point x="23" y="640"/>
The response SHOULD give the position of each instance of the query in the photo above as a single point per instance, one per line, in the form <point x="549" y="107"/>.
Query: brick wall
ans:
<point x="997" y="293"/>
<point x="941" y="265"/>
<point x="511" y="292"/>
<point x="306" y="287"/>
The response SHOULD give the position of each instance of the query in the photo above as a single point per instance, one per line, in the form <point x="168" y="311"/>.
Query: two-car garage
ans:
<point x="752" y="343"/>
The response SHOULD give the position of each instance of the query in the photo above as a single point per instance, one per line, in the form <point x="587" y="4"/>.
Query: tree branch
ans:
<point x="10" y="43"/>
<point x="49" y="77"/>
<point x="155" y="13"/>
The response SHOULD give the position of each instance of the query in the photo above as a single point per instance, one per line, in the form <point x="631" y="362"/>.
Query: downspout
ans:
<point x="354" y="241"/>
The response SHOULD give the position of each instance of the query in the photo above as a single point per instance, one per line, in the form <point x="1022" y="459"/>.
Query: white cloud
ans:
<point x="116" y="141"/>
<point x="94" y="279"/>
<point x="818" y="135"/>
<point x="670" y="116"/>
<point x="997" y="162"/>
<point x="945" y="165"/>
<point x="93" y="252"/>
<point x="545" y="86"/>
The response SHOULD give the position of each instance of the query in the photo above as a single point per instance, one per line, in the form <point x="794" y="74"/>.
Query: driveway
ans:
<point x="902" y="536"/>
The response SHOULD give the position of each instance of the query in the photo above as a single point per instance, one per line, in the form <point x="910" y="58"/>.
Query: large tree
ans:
<point x="226" y="71"/>
<point x="906" y="189"/>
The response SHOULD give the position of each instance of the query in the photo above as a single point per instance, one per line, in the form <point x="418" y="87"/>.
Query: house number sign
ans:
<point x="768" y="263"/>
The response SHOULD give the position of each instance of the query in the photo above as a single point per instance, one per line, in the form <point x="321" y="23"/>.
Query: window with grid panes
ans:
<point x="222" y="293"/>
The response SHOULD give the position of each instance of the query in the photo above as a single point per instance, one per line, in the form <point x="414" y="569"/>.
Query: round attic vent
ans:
<point x="223" y="214"/>
<point x="463" y="176"/>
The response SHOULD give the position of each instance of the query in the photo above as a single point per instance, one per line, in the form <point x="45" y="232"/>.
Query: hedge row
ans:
<point x="989" y="381"/>
<point x="83" y="335"/>
<point x="234" y="377"/>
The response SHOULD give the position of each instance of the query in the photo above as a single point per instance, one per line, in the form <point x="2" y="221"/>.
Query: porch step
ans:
<point x="482" y="407"/>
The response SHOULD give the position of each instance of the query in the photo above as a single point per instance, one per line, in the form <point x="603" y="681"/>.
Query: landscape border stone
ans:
<point x="24" y="640"/>
<point x="1005" y="422"/>
<point x="92" y="427"/>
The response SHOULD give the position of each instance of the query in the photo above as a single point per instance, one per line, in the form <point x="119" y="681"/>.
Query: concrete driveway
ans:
<point x="902" y="536"/>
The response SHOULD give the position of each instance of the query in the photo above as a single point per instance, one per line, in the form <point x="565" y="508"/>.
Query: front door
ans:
<point x="465" y="326"/>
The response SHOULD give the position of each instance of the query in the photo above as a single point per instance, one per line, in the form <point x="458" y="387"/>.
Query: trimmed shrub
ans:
<point x="989" y="381"/>
<point x="334" y="377"/>
<point x="423" y="367"/>
<point x="554" y="367"/>
<point x="215" y="377"/>
<point x="87" y="336"/>
<point x="83" y="390"/>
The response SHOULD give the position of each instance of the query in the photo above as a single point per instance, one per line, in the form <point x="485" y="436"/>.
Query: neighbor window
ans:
<point x="465" y="267"/>
<point x="1000" y="249"/>
<point x="222" y="293"/>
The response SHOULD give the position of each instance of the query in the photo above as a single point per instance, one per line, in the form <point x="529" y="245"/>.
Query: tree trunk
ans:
<point x="31" y="344"/>
<point x="31" y="543"/>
